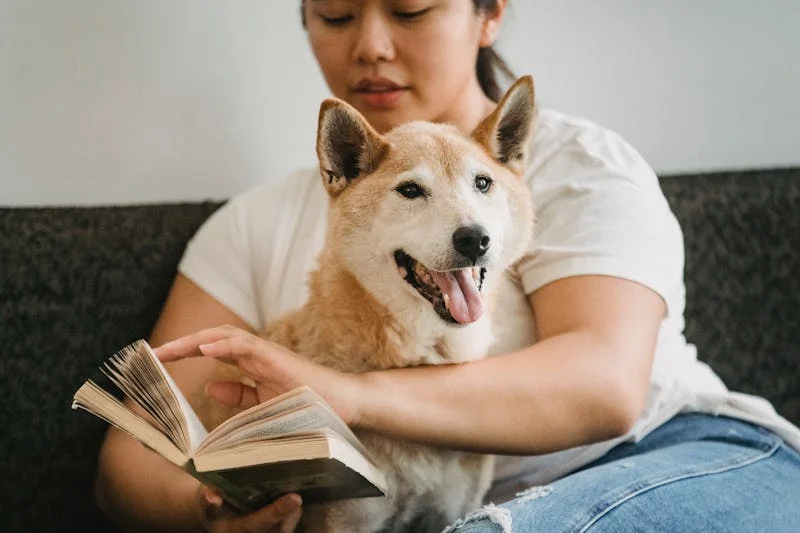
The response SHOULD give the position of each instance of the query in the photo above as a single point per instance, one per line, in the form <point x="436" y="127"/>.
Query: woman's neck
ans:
<point x="467" y="112"/>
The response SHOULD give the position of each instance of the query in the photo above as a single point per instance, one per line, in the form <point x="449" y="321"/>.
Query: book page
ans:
<point x="92" y="398"/>
<point x="196" y="431"/>
<point x="298" y="411"/>
<point x="304" y="418"/>
<point x="287" y="401"/>
<point x="142" y="377"/>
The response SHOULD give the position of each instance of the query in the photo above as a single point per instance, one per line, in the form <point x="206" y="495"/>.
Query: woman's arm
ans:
<point x="585" y="380"/>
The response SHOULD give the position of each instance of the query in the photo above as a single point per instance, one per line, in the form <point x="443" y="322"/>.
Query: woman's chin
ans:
<point x="384" y="121"/>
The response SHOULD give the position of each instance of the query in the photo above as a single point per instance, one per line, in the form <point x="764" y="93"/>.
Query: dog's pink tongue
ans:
<point x="465" y="302"/>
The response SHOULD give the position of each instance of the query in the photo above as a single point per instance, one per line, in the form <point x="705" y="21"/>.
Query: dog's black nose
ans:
<point x="471" y="241"/>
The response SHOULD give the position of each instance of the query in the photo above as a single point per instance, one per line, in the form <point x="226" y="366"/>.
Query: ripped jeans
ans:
<point x="694" y="473"/>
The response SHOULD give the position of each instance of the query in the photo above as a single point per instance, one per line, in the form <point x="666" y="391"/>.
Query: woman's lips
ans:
<point x="383" y="99"/>
<point x="379" y="93"/>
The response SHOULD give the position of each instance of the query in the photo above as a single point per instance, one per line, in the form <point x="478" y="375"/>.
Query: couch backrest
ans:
<point x="742" y="239"/>
<point x="77" y="284"/>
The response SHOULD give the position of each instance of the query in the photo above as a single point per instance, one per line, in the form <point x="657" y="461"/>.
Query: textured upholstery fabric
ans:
<point x="76" y="284"/>
<point x="742" y="240"/>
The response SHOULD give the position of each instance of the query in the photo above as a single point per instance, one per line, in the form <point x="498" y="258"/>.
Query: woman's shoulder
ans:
<point x="553" y="127"/>
<point x="568" y="150"/>
<point x="266" y="206"/>
<point x="263" y="205"/>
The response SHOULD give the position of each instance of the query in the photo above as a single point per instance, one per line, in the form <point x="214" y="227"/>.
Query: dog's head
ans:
<point x="425" y="217"/>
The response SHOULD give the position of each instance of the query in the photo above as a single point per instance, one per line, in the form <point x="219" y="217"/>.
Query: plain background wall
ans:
<point x="120" y="101"/>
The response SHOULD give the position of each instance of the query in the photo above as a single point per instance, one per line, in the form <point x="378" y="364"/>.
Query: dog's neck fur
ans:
<point x="369" y="335"/>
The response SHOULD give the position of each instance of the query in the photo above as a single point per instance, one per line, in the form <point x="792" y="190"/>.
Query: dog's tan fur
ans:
<point x="353" y="323"/>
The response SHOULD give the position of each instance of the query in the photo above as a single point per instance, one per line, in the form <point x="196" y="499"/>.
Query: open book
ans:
<point x="292" y="443"/>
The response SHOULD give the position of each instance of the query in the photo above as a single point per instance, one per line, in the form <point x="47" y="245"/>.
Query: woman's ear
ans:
<point x="347" y="146"/>
<point x="490" y="24"/>
<point x="506" y="132"/>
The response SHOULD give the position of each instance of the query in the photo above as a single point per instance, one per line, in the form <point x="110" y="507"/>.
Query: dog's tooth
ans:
<point x="424" y="275"/>
<point x="446" y="298"/>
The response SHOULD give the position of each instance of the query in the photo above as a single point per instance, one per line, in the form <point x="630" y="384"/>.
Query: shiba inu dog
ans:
<point x="422" y="222"/>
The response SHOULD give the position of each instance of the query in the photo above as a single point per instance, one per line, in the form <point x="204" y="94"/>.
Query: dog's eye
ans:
<point x="483" y="183"/>
<point x="410" y="190"/>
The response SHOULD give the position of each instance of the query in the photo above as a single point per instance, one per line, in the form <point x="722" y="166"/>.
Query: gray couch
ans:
<point x="76" y="284"/>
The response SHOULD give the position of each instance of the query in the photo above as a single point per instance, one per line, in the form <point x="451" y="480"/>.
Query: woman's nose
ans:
<point x="374" y="40"/>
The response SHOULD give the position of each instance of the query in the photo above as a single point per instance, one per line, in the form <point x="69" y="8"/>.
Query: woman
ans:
<point x="600" y="404"/>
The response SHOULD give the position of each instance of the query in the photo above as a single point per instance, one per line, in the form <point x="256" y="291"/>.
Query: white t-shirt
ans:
<point x="600" y="210"/>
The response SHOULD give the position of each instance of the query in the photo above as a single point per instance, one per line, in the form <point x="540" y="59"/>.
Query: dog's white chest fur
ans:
<point x="435" y="343"/>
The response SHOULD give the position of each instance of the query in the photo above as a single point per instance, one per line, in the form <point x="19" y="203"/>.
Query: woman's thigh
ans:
<point x="695" y="473"/>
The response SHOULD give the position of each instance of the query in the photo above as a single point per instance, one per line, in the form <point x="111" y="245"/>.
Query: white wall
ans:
<point x="107" y="101"/>
<point x="694" y="85"/>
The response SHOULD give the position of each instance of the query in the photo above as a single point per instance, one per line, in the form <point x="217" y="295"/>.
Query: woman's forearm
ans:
<point x="141" y="490"/>
<point x="567" y="390"/>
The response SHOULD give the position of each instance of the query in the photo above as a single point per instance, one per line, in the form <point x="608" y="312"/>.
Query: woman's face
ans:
<point x="402" y="60"/>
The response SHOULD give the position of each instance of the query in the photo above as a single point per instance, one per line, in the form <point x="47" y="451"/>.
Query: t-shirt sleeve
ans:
<point x="218" y="260"/>
<point x="233" y="247"/>
<point x="600" y="211"/>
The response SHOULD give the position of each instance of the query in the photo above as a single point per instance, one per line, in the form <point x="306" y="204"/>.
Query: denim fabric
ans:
<point x="697" y="472"/>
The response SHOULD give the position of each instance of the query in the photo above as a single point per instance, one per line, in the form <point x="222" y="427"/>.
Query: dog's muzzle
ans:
<point x="455" y="294"/>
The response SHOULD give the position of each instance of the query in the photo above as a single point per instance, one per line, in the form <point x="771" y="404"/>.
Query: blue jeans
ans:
<point x="694" y="473"/>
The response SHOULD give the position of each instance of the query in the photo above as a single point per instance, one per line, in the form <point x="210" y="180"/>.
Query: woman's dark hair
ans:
<point x="489" y="63"/>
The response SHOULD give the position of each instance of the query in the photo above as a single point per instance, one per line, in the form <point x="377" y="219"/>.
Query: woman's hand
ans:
<point x="280" y="516"/>
<point x="273" y="369"/>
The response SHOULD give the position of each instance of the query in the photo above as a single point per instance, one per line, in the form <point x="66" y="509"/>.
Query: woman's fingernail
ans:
<point x="213" y="498"/>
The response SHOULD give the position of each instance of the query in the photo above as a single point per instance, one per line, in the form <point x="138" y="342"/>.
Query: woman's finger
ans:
<point x="253" y="355"/>
<point x="232" y="393"/>
<point x="189" y="345"/>
<point x="290" y="524"/>
<point x="214" y="508"/>
<point x="211" y="497"/>
<point x="270" y="516"/>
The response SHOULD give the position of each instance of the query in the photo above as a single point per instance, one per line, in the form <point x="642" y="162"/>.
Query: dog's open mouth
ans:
<point x="455" y="295"/>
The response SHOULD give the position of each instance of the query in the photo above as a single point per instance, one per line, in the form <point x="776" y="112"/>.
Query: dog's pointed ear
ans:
<point x="347" y="146"/>
<point x="506" y="132"/>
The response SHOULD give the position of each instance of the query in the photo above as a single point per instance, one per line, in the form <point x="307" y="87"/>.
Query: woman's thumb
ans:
<point x="232" y="393"/>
